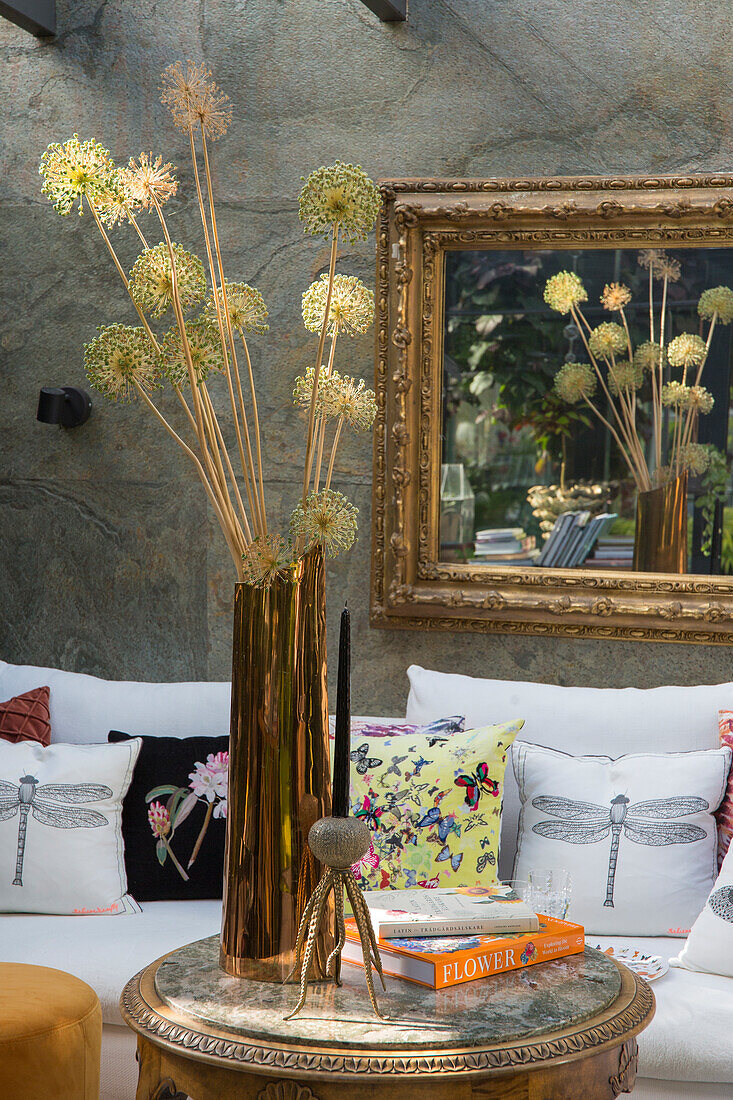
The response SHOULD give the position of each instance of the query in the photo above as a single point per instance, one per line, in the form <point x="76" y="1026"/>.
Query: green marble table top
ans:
<point x="499" y="1009"/>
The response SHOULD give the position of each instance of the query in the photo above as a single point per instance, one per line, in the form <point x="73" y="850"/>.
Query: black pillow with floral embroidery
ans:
<point x="174" y="818"/>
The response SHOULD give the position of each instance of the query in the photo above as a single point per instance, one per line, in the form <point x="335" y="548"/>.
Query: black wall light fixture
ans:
<point x="36" y="16"/>
<point x="389" y="11"/>
<point x="65" y="405"/>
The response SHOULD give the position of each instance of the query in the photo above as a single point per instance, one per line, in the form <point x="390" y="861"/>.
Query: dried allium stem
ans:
<point x="260" y="509"/>
<point x="249" y="488"/>
<point x="310" y="440"/>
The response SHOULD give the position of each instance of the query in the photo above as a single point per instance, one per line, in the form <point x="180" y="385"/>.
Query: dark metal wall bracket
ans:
<point x="389" y="11"/>
<point x="36" y="16"/>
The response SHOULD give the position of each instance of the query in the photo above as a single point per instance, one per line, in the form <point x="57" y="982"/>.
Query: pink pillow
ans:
<point x="724" y="815"/>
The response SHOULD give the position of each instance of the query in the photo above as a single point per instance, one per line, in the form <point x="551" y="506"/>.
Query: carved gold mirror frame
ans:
<point x="420" y="221"/>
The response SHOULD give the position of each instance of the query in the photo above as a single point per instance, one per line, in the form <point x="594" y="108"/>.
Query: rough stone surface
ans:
<point x="500" y="1009"/>
<point x="110" y="562"/>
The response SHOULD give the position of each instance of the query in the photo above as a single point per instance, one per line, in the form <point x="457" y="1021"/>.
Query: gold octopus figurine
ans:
<point x="337" y="843"/>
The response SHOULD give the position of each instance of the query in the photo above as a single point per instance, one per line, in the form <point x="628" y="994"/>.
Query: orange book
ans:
<point x="440" y="961"/>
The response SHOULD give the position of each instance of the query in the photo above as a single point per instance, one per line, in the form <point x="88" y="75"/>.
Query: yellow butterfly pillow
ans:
<point x="433" y="805"/>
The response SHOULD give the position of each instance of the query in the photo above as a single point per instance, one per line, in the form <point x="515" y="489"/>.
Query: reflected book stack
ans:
<point x="441" y="961"/>
<point x="573" y="537"/>
<point x="505" y="546"/>
<point x="615" y="552"/>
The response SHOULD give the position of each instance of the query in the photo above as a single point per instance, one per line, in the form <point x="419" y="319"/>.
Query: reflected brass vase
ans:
<point x="279" y="771"/>
<point x="660" y="545"/>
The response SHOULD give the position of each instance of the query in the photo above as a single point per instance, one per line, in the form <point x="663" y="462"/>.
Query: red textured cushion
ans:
<point x="26" y="717"/>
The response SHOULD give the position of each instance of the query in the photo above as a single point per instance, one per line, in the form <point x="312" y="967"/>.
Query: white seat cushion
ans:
<point x="106" y="951"/>
<point x="84" y="708"/>
<point x="689" y="1037"/>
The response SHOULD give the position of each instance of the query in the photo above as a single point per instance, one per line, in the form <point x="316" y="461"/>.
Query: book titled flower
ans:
<point x="441" y="961"/>
<point x="463" y="911"/>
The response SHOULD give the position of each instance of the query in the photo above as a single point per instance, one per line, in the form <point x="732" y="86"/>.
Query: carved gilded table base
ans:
<point x="168" y="1076"/>
<point x="564" y="1030"/>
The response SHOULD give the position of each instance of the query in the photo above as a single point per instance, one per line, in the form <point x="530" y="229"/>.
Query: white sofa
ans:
<point x="685" y="1054"/>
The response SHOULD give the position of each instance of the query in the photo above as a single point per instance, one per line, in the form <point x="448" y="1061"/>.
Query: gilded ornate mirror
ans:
<point x="553" y="378"/>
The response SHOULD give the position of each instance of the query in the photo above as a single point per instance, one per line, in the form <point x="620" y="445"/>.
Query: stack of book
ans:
<point x="573" y="537"/>
<point x="614" y="552"/>
<point x="505" y="546"/>
<point x="447" y="937"/>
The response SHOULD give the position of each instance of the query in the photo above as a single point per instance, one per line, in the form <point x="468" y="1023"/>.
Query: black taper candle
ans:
<point x="342" y="742"/>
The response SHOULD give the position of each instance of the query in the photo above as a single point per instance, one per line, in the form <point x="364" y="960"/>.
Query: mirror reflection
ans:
<point x="586" y="409"/>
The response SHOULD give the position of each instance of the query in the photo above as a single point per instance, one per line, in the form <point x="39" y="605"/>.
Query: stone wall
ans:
<point x="110" y="562"/>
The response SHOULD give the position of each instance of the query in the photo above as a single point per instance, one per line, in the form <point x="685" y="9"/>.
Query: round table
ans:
<point x="561" y="1030"/>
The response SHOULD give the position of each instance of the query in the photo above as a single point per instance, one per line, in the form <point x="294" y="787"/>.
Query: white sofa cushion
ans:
<point x="103" y="956"/>
<point x="576" y="720"/>
<point x="709" y="946"/>
<point x="689" y="1037"/>
<point x="84" y="708"/>
<point x="636" y="833"/>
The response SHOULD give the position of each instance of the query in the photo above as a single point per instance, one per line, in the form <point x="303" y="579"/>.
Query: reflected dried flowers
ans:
<point x="716" y="302"/>
<point x="574" y="382"/>
<point x="615" y="296"/>
<point x="625" y="376"/>
<point x="687" y="350"/>
<point x="564" y="291"/>
<point x="607" y="339"/>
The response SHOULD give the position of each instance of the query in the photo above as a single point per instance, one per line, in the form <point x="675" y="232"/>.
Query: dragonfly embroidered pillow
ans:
<point x="637" y="834"/>
<point x="61" y="848"/>
<point x="433" y="805"/>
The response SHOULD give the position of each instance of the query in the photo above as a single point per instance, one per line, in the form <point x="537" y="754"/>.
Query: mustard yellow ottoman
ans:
<point x="50" y="1035"/>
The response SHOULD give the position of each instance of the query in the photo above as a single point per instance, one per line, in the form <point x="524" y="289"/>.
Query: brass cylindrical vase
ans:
<point x="660" y="544"/>
<point x="279" y="771"/>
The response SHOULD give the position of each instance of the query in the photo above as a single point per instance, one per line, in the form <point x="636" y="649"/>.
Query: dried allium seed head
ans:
<point x="345" y="397"/>
<point x="647" y="356"/>
<point x="247" y="309"/>
<point x="574" y="382"/>
<point x="660" y="264"/>
<point x="686" y="350"/>
<point x="565" y="290"/>
<point x="700" y="400"/>
<point x="716" y="302"/>
<point x="74" y="169"/>
<point x="607" y="339"/>
<point x="303" y="389"/>
<point x="340" y="197"/>
<point x="113" y="205"/>
<point x="326" y="517"/>
<point x="675" y="394"/>
<point x="351" y="309"/>
<point x="625" y="376"/>
<point x="118" y="358"/>
<point x="615" y="296"/>
<point x="151" y="279"/>
<point x="204" y="345"/>
<point x="267" y="557"/>
<point x="148" y="181"/>
<point x="695" y="458"/>
<point x="193" y="99"/>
